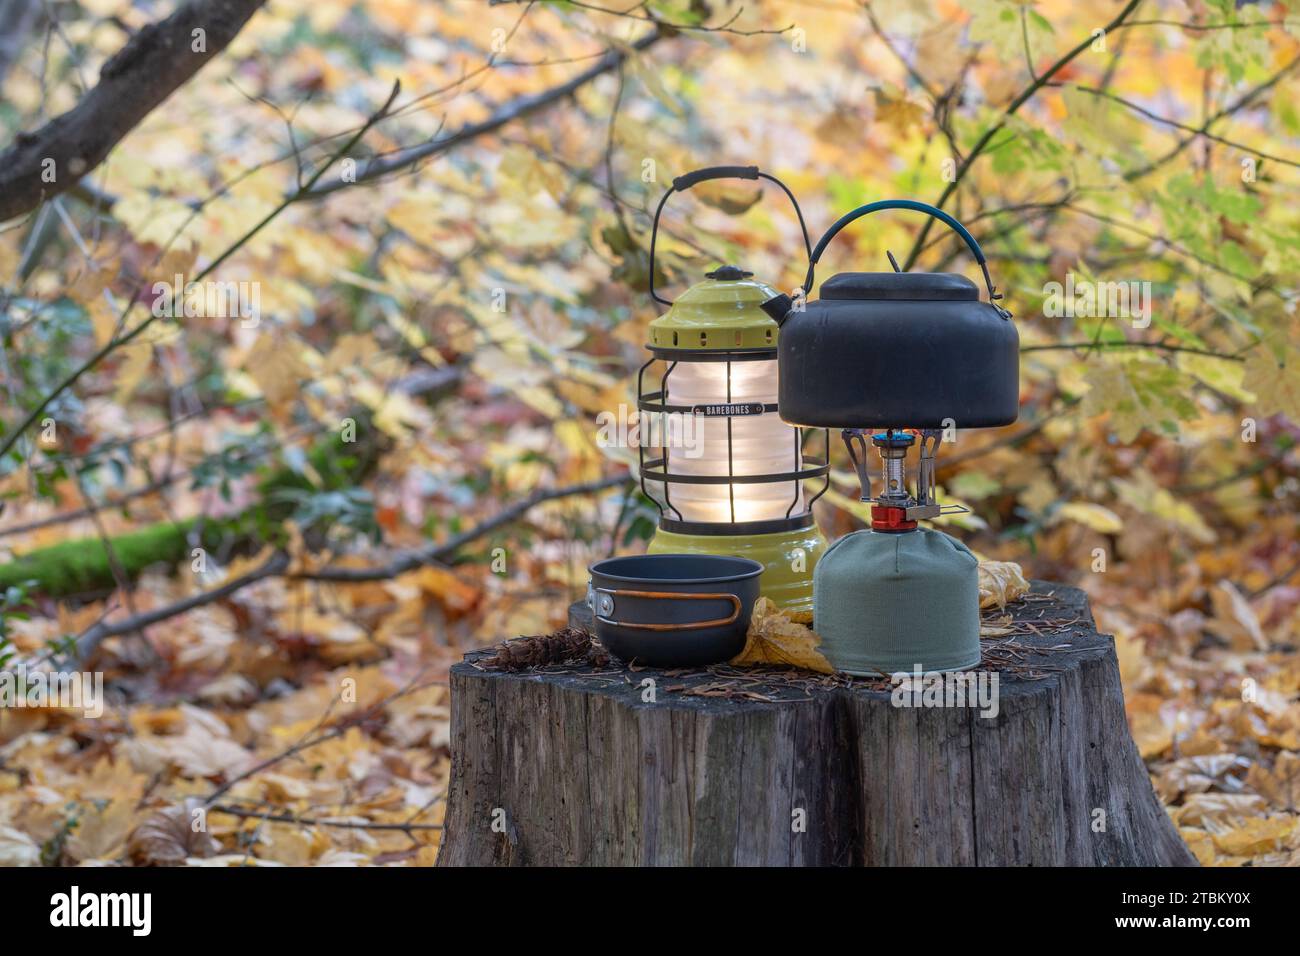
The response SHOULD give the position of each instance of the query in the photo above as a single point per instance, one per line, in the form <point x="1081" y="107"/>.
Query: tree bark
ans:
<point x="565" y="765"/>
<point x="149" y="68"/>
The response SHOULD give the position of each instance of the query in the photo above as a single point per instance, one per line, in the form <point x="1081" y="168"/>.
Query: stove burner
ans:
<point x="896" y="509"/>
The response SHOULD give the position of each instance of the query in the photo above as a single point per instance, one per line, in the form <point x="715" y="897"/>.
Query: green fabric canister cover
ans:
<point x="890" y="602"/>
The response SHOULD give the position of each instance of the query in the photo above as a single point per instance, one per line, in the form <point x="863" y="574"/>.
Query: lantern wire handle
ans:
<point x="688" y="180"/>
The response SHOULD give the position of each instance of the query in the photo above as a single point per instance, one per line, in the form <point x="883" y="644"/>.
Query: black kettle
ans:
<point x="897" y="349"/>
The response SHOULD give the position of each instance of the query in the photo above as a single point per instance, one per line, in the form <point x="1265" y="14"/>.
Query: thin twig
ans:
<point x="524" y="106"/>
<point x="247" y="814"/>
<point x="1194" y="130"/>
<point x="1158" y="346"/>
<point x="1243" y="101"/>
<point x="118" y="342"/>
<point x="309" y="740"/>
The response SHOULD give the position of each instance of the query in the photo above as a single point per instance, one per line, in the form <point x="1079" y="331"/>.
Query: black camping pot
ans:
<point x="673" y="610"/>
<point x="912" y="349"/>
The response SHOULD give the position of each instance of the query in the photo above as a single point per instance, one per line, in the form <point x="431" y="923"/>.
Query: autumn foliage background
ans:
<point x="1167" y="154"/>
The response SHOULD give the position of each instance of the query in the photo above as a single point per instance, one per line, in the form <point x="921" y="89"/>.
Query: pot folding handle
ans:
<point x="912" y="204"/>
<point x="602" y="609"/>
<point x="688" y="180"/>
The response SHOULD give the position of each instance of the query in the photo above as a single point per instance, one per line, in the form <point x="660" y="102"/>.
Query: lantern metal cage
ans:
<point x="751" y="517"/>
<point x="740" y="491"/>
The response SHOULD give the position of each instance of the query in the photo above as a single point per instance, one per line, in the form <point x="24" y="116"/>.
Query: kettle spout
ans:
<point x="778" y="307"/>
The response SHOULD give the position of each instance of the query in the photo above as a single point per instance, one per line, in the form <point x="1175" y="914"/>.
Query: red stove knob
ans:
<point x="887" y="518"/>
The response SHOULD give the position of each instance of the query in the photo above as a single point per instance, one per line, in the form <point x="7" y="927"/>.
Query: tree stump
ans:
<point x="567" y="765"/>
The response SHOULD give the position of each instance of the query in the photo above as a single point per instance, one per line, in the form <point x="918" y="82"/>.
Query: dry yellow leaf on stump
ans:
<point x="775" y="639"/>
<point x="1000" y="583"/>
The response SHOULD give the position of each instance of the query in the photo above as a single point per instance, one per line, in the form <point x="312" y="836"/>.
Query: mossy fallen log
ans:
<point x="83" y="565"/>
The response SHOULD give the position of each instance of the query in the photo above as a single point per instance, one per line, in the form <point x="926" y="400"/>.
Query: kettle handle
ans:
<point x="697" y="176"/>
<point x="912" y="204"/>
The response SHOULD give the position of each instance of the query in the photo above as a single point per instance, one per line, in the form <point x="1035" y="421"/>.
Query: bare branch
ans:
<point x="1194" y="130"/>
<point x="434" y="553"/>
<point x="17" y="18"/>
<point x="1013" y="107"/>
<point x="91" y="638"/>
<point x="311" y="738"/>
<point x="278" y="566"/>
<point x="1242" y="102"/>
<point x="637" y="12"/>
<point x="516" y="109"/>
<point x="151" y="66"/>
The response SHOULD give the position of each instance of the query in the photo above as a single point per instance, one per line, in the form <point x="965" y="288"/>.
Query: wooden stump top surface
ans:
<point x="582" y="765"/>
<point x="1052" y="630"/>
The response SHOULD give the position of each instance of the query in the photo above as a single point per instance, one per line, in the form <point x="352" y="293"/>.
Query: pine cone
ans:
<point x="565" y="645"/>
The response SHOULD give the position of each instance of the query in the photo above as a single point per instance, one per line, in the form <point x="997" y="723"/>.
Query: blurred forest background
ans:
<point x="274" y="532"/>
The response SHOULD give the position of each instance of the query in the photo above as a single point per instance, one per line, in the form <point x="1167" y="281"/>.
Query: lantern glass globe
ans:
<point x="760" y="445"/>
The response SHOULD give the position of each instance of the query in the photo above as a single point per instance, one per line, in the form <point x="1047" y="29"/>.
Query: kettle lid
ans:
<point x="941" y="286"/>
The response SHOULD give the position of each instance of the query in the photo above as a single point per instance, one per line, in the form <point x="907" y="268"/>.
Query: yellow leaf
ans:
<point x="1272" y="372"/>
<point x="394" y="413"/>
<point x="178" y="260"/>
<point x="1200" y="843"/>
<point x="1142" y="493"/>
<point x="1151" y="733"/>
<point x="137" y="359"/>
<point x="1256" y="835"/>
<point x="997" y="22"/>
<point x="775" y="639"/>
<point x="102" y="835"/>
<point x="897" y="112"/>
<point x="352" y="350"/>
<point x="1090" y="515"/>
<point x="1281" y="785"/>
<point x="104" y="319"/>
<point x="934" y="47"/>
<point x="990" y="630"/>
<point x="585" y="455"/>
<point x="1218" y="810"/>
<point x="1000" y="583"/>
<point x="278" y="369"/>
<point x="1234" y="615"/>
<point x="654" y="86"/>
<point x="729" y="199"/>
<point x="1219" y="374"/>
<point x="450" y="591"/>
<point x="499" y="368"/>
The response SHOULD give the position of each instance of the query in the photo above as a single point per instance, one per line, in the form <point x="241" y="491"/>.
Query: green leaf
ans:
<point x="1139" y="394"/>
<point x="1236" y="260"/>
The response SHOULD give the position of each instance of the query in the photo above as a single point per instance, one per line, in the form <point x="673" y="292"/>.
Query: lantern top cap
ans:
<point x="728" y="274"/>
<point x="720" y="313"/>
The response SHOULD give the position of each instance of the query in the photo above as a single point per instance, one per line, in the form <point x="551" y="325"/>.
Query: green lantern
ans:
<point x="726" y="473"/>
